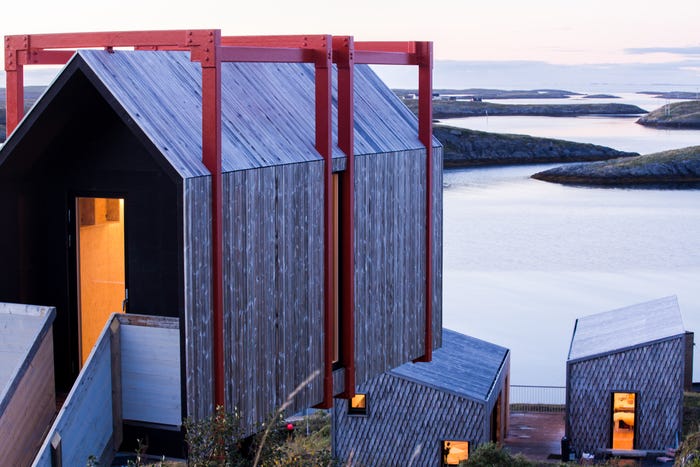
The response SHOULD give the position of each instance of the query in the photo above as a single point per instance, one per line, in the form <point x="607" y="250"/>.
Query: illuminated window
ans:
<point x="624" y="411"/>
<point x="358" y="405"/>
<point x="454" y="452"/>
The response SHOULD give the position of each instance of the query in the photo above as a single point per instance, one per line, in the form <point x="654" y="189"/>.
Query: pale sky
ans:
<point x="554" y="31"/>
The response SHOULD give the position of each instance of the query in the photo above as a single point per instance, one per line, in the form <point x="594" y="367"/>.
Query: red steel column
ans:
<point x="344" y="50"/>
<point x="425" y="134"/>
<point x="205" y="45"/>
<point x="324" y="145"/>
<point x="14" y="76"/>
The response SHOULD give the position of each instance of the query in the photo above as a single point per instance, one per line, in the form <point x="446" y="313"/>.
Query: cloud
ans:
<point x="686" y="51"/>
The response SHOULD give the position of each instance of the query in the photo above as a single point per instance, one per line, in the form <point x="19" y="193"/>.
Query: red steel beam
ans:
<point x="343" y="56"/>
<point x="111" y="39"/>
<point x="265" y="54"/>
<point x="385" y="58"/>
<point x="425" y="134"/>
<point x="324" y="145"/>
<point x="205" y="45"/>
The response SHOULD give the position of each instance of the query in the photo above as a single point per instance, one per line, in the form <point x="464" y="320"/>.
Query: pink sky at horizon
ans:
<point x="554" y="31"/>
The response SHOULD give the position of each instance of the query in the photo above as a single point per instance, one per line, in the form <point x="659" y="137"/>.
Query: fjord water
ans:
<point x="524" y="258"/>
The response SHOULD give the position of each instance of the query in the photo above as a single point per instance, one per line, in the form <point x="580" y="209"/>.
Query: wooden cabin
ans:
<point x="329" y="261"/>
<point x="27" y="394"/>
<point x="625" y="376"/>
<point x="429" y="414"/>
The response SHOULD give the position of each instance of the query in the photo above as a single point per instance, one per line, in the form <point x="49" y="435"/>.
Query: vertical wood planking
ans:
<point x="273" y="299"/>
<point x="390" y="260"/>
<point x="198" y="296"/>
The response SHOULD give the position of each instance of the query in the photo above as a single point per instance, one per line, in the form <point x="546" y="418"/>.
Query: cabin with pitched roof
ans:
<point x="428" y="414"/>
<point x="625" y="376"/>
<point x="307" y="256"/>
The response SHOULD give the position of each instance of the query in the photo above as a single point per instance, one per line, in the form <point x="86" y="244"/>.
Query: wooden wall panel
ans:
<point x="654" y="371"/>
<point x="198" y="297"/>
<point x="405" y="425"/>
<point x="150" y="366"/>
<point x="85" y="421"/>
<point x="273" y="293"/>
<point x="28" y="413"/>
<point x="390" y="260"/>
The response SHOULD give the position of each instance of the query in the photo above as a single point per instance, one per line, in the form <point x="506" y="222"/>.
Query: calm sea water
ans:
<point x="524" y="258"/>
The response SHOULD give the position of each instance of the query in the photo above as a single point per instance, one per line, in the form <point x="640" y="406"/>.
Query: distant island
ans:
<point x="481" y="93"/>
<point x="600" y="96"/>
<point x="466" y="148"/>
<point x="684" y="114"/>
<point x="672" y="94"/>
<point x="458" y="109"/>
<point x="678" y="168"/>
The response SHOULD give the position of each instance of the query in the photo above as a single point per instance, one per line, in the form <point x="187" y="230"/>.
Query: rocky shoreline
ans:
<point x="458" y="109"/>
<point x="684" y="114"/>
<point x="678" y="168"/>
<point x="467" y="148"/>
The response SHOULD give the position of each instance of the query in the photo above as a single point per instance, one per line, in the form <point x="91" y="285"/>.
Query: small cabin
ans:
<point x="430" y="414"/>
<point x="271" y="194"/>
<point x="625" y="376"/>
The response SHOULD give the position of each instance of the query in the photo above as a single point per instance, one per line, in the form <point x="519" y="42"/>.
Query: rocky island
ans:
<point x="684" y="114"/>
<point x="678" y="168"/>
<point x="458" y="109"/>
<point x="465" y="148"/>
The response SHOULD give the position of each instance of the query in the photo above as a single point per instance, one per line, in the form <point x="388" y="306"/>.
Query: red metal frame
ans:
<point x="211" y="49"/>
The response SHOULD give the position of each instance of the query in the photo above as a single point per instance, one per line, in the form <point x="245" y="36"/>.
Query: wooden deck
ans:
<point x="535" y="435"/>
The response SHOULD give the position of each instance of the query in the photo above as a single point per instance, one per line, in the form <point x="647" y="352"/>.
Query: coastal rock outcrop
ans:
<point x="678" y="167"/>
<point x="684" y="114"/>
<point x="464" y="148"/>
<point x="458" y="109"/>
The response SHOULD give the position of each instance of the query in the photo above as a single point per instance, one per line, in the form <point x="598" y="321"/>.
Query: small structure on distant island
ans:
<point x="428" y="413"/>
<point x="625" y="376"/>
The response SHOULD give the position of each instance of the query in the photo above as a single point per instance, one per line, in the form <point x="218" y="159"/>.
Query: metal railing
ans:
<point x="537" y="398"/>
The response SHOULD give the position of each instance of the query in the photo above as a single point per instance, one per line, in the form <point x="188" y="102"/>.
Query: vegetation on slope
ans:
<point x="684" y="114"/>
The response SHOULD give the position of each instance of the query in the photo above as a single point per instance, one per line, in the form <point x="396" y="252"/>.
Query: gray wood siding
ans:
<point x="390" y="260"/>
<point x="654" y="371"/>
<point x="437" y="247"/>
<point x="273" y="293"/>
<point x="405" y="425"/>
<point x="198" y="297"/>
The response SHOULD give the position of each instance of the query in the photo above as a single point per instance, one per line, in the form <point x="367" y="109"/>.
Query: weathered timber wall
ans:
<point x="390" y="259"/>
<point x="198" y="297"/>
<point x="274" y="289"/>
<point x="654" y="371"/>
<point x="406" y="424"/>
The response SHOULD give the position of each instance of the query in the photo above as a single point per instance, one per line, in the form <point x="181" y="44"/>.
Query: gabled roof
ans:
<point x="464" y="365"/>
<point x="624" y="328"/>
<point x="267" y="108"/>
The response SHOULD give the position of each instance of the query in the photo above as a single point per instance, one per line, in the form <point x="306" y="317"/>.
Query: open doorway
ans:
<point x="101" y="266"/>
<point x="624" y="411"/>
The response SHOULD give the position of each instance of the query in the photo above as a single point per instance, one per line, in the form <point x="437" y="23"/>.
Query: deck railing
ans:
<point x="537" y="398"/>
<point x="132" y="373"/>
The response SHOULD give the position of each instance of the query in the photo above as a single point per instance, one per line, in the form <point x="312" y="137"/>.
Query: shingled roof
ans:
<point x="464" y="365"/>
<point x="267" y="108"/>
<point x="624" y="328"/>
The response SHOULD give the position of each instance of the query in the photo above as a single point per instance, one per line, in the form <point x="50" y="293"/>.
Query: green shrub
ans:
<point x="492" y="455"/>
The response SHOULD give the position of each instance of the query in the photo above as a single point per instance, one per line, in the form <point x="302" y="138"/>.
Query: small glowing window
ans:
<point x="454" y="452"/>
<point x="358" y="405"/>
